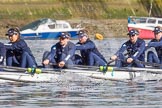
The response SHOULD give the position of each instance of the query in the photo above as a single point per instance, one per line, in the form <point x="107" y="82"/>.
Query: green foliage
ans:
<point x="66" y="9"/>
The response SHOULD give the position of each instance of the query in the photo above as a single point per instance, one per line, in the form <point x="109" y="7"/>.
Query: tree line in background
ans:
<point x="69" y="9"/>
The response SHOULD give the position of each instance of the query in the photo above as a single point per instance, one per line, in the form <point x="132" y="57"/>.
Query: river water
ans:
<point x="74" y="91"/>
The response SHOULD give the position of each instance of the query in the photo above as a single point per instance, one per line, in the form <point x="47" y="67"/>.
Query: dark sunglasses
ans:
<point x="131" y="35"/>
<point x="63" y="38"/>
<point x="156" y="33"/>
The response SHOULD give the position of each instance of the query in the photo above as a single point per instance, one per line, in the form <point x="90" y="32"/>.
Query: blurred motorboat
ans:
<point x="47" y="29"/>
<point x="145" y="25"/>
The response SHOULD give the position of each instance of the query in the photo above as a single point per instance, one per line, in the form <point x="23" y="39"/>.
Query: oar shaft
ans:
<point x="111" y="61"/>
<point x="88" y="68"/>
<point x="134" y="69"/>
<point x="148" y="63"/>
<point x="12" y="67"/>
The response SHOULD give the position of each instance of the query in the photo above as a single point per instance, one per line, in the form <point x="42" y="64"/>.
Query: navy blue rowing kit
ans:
<point x="19" y="54"/>
<point x="151" y="56"/>
<point x="90" y="54"/>
<point x="59" y="53"/>
<point x="135" y="51"/>
<point x="2" y="53"/>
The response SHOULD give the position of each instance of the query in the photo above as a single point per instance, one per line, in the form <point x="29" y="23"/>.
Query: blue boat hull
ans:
<point x="46" y="35"/>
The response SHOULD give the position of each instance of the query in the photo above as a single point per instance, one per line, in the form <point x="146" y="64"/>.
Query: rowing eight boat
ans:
<point x="119" y="74"/>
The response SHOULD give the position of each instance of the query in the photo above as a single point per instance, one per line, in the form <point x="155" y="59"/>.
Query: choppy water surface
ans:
<point x="72" y="90"/>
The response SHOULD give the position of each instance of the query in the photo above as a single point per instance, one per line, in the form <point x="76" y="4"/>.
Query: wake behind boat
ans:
<point x="145" y="25"/>
<point x="47" y="29"/>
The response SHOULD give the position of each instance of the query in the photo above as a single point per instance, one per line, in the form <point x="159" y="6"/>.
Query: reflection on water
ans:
<point x="102" y="93"/>
<point x="72" y="90"/>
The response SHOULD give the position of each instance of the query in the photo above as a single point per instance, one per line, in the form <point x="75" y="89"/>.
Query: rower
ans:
<point x="88" y="50"/>
<point x="131" y="51"/>
<point x="17" y="51"/>
<point x="2" y="53"/>
<point x="155" y="56"/>
<point x="61" y="53"/>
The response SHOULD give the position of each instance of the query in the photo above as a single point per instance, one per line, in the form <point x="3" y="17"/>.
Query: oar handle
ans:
<point x="110" y="62"/>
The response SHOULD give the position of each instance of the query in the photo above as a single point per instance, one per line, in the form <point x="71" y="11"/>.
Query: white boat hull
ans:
<point x="53" y="76"/>
<point x="24" y="77"/>
<point x="115" y="75"/>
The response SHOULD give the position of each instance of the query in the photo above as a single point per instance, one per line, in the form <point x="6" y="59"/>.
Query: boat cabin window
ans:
<point x="65" y="26"/>
<point x="143" y="20"/>
<point x="52" y="26"/>
<point x="160" y="22"/>
<point x="152" y="21"/>
<point x="33" y="25"/>
<point x="58" y="26"/>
